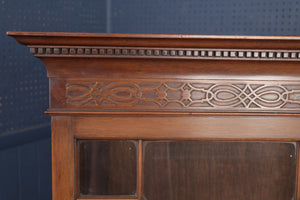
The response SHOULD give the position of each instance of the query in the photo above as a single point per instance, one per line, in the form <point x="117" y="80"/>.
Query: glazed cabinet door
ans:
<point x="186" y="170"/>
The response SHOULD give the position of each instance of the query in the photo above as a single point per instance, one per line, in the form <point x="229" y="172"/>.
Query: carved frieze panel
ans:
<point x="187" y="95"/>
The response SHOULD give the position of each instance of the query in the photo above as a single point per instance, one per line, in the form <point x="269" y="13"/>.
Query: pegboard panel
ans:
<point x="23" y="80"/>
<point x="230" y="17"/>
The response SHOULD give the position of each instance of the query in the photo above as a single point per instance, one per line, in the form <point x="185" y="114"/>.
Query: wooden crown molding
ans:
<point x="164" y="53"/>
<point x="157" y="40"/>
<point x="104" y="45"/>
<point x="169" y="73"/>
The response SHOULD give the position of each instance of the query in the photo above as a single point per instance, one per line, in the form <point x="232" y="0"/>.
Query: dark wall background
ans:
<point x="25" y="154"/>
<point x="25" y="144"/>
<point x="24" y="86"/>
<point x="233" y="17"/>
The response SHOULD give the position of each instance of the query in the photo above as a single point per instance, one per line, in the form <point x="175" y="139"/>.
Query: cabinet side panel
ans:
<point x="298" y="173"/>
<point x="57" y="92"/>
<point x="62" y="158"/>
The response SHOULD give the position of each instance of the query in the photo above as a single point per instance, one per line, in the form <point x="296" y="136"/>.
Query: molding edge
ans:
<point x="165" y="53"/>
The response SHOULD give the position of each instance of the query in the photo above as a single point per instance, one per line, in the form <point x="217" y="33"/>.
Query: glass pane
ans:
<point x="193" y="170"/>
<point x="107" y="167"/>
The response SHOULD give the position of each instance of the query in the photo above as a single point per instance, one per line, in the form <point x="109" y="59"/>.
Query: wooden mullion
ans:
<point x="140" y="170"/>
<point x="77" y="170"/>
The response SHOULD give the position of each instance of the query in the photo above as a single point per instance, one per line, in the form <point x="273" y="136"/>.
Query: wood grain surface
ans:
<point x="189" y="89"/>
<point x="63" y="161"/>
<point x="189" y="128"/>
<point x="219" y="170"/>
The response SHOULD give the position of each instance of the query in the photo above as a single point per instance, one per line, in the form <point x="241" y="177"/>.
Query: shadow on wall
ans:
<point x="25" y="168"/>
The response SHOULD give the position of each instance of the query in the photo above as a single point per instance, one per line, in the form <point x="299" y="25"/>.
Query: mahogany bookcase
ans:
<point x="172" y="117"/>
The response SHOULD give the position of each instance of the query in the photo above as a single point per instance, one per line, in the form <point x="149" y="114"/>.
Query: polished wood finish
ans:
<point x="155" y="40"/>
<point x="147" y="87"/>
<point x="249" y="128"/>
<point x="103" y="199"/>
<point x="196" y="170"/>
<point x="140" y="170"/>
<point x="63" y="161"/>
<point x="108" y="167"/>
<point x="298" y="172"/>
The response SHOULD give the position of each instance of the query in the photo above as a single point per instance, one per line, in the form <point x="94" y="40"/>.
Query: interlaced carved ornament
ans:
<point x="202" y="95"/>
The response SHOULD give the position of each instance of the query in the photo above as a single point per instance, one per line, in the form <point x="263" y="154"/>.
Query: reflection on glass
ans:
<point x="107" y="167"/>
<point x="193" y="170"/>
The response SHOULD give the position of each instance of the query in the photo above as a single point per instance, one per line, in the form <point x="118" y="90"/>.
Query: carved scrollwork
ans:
<point x="247" y="96"/>
<point x="188" y="95"/>
<point x="97" y="93"/>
